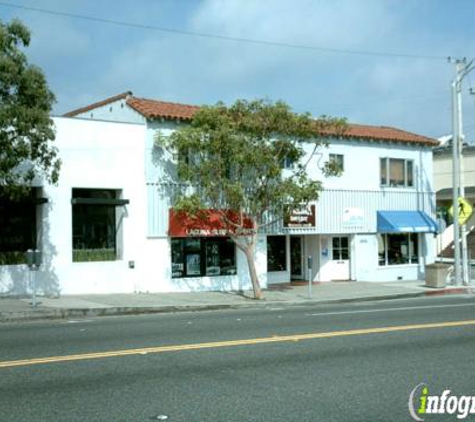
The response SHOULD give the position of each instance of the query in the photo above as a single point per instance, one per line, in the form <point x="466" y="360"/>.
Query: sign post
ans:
<point x="465" y="211"/>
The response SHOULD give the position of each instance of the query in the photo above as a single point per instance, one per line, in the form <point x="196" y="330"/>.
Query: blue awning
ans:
<point x="405" y="222"/>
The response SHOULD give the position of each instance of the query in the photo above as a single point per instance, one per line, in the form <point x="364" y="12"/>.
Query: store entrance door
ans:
<point x="340" y="264"/>
<point x="296" y="257"/>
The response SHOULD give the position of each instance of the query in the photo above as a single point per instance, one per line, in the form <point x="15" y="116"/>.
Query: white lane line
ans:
<point x="79" y="321"/>
<point x="408" y="308"/>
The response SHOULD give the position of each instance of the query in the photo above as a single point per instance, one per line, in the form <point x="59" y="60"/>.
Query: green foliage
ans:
<point x="12" y="258"/>
<point x="234" y="156"/>
<point x="231" y="159"/>
<point x="331" y="168"/>
<point x="26" y="128"/>
<point x="90" y="255"/>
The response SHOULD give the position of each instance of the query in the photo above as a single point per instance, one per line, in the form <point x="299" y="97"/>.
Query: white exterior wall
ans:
<point x="99" y="155"/>
<point x="94" y="155"/>
<point x="115" y="111"/>
<point x="112" y="155"/>
<point x="359" y="186"/>
<point x="158" y="168"/>
<point x="366" y="260"/>
<point x="362" y="165"/>
<point x="443" y="169"/>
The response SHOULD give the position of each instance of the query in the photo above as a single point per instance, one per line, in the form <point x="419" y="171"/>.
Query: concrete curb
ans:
<point x="65" y="313"/>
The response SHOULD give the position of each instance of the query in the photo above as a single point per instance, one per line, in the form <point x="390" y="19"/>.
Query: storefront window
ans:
<point x="398" y="249"/>
<point x="94" y="225"/>
<point x="276" y="253"/>
<point x="17" y="228"/>
<point x="196" y="257"/>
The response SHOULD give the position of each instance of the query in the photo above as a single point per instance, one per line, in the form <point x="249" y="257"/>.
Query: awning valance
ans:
<point x="405" y="222"/>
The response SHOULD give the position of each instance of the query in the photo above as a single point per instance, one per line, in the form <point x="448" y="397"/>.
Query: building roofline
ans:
<point x="93" y="106"/>
<point x="156" y="109"/>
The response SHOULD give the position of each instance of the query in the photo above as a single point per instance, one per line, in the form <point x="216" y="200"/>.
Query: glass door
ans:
<point x="296" y="255"/>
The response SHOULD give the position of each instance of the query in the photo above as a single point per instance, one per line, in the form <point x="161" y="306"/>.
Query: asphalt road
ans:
<point x="274" y="364"/>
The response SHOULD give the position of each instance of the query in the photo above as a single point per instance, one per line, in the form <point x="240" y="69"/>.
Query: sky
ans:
<point x="375" y="62"/>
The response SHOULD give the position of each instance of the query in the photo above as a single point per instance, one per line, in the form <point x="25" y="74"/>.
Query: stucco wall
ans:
<point x="94" y="155"/>
<point x="362" y="163"/>
<point x="115" y="111"/>
<point x="443" y="170"/>
<point x="111" y="155"/>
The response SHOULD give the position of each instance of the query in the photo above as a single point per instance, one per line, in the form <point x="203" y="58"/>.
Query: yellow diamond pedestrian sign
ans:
<point x="465" y="211"/>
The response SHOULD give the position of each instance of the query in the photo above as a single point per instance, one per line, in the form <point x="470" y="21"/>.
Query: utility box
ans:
<point x="436" y="275"/>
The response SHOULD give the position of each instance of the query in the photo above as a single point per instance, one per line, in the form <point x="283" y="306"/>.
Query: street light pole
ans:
<point x="463" y="227"/>
<point x="460" y="231"/>
<point x="455" y="174"/>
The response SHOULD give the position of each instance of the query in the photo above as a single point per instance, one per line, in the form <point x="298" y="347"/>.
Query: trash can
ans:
<point x="436" y="275"/>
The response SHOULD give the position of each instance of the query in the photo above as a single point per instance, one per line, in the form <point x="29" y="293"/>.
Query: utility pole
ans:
<point x="455" y="172"/>
<point x="460" y="231"/>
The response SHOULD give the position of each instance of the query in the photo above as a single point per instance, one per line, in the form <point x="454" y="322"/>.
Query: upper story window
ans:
<point x="396" y="172"/>
<point x="288" y="163"/>
<point x="337" y="161"/>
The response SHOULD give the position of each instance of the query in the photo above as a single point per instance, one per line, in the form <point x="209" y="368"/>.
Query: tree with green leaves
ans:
<point x="231" y="160"/>
<point x="26" y="128"/>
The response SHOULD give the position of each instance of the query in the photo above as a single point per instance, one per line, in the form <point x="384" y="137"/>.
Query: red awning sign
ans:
<point x="207" y="223"/>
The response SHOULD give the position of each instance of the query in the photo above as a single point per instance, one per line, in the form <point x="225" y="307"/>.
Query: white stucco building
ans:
<point x="105" y="227"/>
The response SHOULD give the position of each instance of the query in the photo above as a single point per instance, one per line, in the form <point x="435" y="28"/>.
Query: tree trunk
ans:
<point x="249" y="251"/>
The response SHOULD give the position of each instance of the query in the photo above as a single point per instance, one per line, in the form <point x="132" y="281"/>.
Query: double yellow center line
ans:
<point x="231" y="343"/>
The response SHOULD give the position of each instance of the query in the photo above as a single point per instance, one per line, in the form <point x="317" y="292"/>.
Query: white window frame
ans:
<point x="388" y="172"/>
<point x="384" y="239"/>
<point x="338" y="159"/>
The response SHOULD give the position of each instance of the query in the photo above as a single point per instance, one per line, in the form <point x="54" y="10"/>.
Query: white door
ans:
<point x="340" y="259"/>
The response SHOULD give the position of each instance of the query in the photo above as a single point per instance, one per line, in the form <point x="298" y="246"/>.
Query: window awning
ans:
<point x="100" y="201"/>
<point x="405" y="222"/>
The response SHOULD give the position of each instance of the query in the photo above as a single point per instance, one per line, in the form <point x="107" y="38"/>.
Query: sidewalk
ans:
<point x="78" y="306"/>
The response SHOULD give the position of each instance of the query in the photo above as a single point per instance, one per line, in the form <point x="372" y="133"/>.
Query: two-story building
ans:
<point x="107" y="226"/>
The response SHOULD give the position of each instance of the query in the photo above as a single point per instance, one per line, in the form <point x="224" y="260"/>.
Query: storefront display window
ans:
<point x="17" y="227"/>
<point x="276" y="253"/>
<point x="195" y="257"/>
<point x="95" y="224"/>
<point x="397" y="249"/>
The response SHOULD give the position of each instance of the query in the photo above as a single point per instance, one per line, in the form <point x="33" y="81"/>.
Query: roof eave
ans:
<point x="98" y="104"/>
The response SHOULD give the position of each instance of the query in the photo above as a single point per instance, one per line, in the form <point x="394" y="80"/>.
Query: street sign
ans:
<point x="465" y="211"/>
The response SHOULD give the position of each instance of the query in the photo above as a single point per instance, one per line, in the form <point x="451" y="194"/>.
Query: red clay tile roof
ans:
<point x="153" y="109"/>
<point x="385" y="133"/>
<point x="74" y="113"/>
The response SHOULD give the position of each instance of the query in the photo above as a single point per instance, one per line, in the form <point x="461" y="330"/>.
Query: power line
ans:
<point x="391" y="101"/>
<point x="222" y="37"/>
